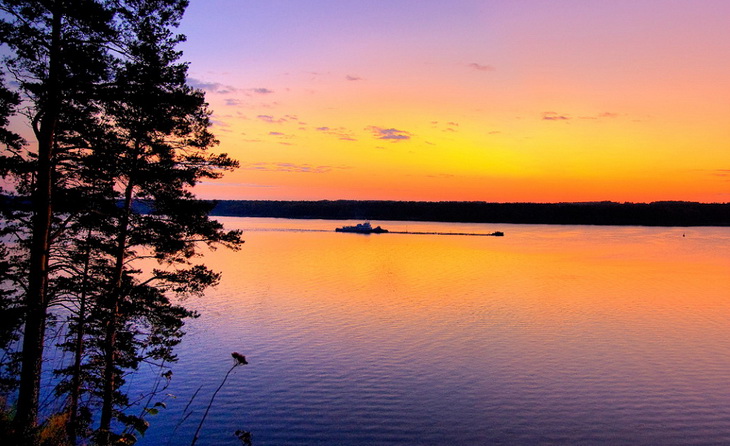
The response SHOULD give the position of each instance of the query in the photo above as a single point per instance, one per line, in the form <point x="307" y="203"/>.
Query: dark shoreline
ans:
<point x="663" y="213"/>
<point x="603" y="213"/>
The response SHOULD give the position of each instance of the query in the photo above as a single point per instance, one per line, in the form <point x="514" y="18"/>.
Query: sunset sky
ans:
<point x="493" y="100"/>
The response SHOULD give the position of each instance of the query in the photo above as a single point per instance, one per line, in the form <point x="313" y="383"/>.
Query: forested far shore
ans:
<point x="663" y="213"/>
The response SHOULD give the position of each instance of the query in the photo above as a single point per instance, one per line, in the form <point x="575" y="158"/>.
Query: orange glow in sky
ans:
<point x="520" y="100"/>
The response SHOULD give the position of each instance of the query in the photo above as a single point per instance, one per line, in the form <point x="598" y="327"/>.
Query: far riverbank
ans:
<point x="664" y="213"/>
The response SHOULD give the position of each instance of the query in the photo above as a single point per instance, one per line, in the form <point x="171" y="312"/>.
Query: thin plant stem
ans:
<point x="184" y="416"/>
<point x="210" y="404"/>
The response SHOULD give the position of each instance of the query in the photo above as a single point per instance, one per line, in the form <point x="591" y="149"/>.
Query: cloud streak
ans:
<point x="390" y="134"/>
<point x="552" y="116"/>
<point x="211" y="87"/>
<point x="480" y="67"/>
<point x="604" y="115"/>
<point x="260" y="90"/>
<point x="339" y="132"/>
<point x="291" y="167"/>
<point x="221" y="184"/>
<point x="449" y="127"/>
<point x="271" y="120"/>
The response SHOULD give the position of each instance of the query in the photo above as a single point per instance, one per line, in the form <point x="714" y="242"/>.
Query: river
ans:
<point x="548" y="335"/>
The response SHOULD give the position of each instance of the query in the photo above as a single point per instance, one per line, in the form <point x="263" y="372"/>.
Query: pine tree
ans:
<point x="57" y="60"/>
<point x="10" y="312"/>
<point x="121" y="141"/>
<point x="162" y="127"/>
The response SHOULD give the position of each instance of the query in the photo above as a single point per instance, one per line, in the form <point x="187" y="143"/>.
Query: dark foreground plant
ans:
<point x="244" y="437"/>
<point x="238" y="359"/>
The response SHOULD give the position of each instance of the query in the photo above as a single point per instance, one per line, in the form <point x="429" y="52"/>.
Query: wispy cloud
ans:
<point x="219" y="123"/>
<point x="389" y="134"/>
<point x="440" y="175"/>
<point x="339" y="132"/>
<point x="260" y="90"/>
<point x="221" y="184"/>
<point x="271" y="120"/>
<point x="450" y="127"/>
<point x="552" y="116"/>
<point x="232" y="102"/>
<point x="211" y="87"/>
<point x="291" y="167"/>
<point x="353" y="78"/>
<point x="604" y="115"/>
<point x="282" y="137"/>
<point x="480" y="67"/>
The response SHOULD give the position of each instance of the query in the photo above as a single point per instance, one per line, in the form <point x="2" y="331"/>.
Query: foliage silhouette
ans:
<point x="115" y="122"/>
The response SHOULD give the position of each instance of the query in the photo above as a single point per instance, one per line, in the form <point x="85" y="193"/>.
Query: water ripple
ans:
<point x="574" y="335"/>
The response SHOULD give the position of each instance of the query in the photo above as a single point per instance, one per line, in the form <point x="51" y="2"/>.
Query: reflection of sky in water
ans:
<point x="550" y="334"/>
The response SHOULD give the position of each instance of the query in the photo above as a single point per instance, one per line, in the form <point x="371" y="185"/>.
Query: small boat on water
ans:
<point x="362" y="228"/>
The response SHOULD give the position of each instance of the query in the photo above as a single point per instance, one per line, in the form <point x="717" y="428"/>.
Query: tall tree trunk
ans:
<point x="73" y="424"/>
<point x="115" y="295"/>
<point x="36" y="298"/>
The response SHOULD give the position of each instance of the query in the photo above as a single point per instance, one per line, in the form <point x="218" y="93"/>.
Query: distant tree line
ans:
<point x="664" y="213"/>
<point x="101" y="86"/>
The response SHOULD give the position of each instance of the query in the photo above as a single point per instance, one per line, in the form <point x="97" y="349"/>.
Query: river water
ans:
<point x="549" y="335"/>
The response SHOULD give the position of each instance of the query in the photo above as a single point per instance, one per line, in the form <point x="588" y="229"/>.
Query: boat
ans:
<point x="362" y="228"/>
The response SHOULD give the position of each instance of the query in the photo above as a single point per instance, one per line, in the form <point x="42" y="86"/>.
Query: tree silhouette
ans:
<point x="121" y="141"/>
<point x="57" y="61"/>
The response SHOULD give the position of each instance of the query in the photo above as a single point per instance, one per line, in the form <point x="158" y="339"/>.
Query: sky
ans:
<point x="491" y="100"/>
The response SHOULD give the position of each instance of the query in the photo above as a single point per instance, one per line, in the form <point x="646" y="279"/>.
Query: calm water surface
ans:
<point x="549" y="335"/>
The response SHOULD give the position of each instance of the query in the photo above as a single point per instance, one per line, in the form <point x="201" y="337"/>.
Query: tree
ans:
<point x="57" y="61"/>
<point x="121" y="141"/>
<point x="10" y="312"/>
<point x="162" y="142"/>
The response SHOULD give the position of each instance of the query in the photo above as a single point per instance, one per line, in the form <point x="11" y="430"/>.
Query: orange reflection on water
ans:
<point x="564" y="332"/>
<point x="546" y="279"/>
